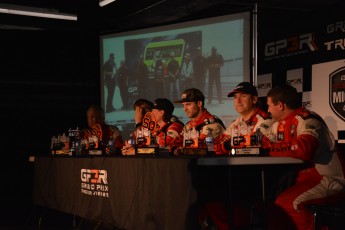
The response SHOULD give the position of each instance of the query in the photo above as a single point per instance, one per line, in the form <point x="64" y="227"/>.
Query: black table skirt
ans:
<point x="128" y="192"/>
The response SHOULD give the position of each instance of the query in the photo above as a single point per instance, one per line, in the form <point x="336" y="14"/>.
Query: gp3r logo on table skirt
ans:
<point x="94" y="182"/>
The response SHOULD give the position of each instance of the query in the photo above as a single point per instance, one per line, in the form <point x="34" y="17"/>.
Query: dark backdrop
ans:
<point x="48" y="79"/>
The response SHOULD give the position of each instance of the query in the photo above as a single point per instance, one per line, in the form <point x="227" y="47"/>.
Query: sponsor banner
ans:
<point x="337" y="92"/>
<point x="294" y="77"/>
<point x="290" y="46"/>
<point x="327" y="95"/>
<point x="306" y="99"/>
<point x="264" y="82"/>
<point x="320" y="43"/>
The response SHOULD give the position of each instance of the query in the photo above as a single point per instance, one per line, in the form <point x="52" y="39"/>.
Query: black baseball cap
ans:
<point x="244" y="87"/>
<point x="164" y="104"/>
<point x="191" y="95"/>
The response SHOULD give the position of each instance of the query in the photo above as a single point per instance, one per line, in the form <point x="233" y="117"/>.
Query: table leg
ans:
<point x="263" y="185"/>
<point x="230" y="200"/>
<point x="264" y="208"/>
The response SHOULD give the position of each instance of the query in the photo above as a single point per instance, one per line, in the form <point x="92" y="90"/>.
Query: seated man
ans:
<point x="193" y="101"/>
<point x="251" y="117"/>
<point x="167" y="133"/>
<point x="97" y="127"/>
<point x="141" y="107"/>
<point x="169" y="128"/>
<point x="302" y="134"/>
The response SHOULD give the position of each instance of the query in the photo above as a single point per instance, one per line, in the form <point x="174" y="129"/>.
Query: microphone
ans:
<point x="207" y="121"/>
<point x="210" y="121"/>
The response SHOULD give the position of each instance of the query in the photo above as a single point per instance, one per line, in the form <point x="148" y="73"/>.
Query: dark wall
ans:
<point x="48" y="79"/>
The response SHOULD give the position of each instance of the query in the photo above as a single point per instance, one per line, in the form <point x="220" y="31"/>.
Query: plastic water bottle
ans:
<point x="111" y="146"/>
<point x="131" y="141"/>
<point x="195" y="138"/>
<point x="77" y="147"/>
<point x="209" y="141"/>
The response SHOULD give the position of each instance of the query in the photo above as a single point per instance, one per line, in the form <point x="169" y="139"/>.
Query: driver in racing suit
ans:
<point x="302" y="134"/>
<point x="193" y="101"/>
<point x="251" y="118"/>
<point x="238" y="134"/>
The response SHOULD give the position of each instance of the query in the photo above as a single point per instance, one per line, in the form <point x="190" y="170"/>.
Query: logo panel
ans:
<point x="337" y="92"/>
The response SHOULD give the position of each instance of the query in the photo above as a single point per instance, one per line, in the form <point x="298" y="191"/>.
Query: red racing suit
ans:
<point x="205" y="122"/>
<point x="104" y="133"/>
<point x="241" y="128"/>
<point x="304" y="135"/>
<point x="170" y="135"/>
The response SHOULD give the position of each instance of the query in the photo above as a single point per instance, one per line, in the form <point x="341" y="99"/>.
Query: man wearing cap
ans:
<point x="193" y="101"/>
<point x="251" y="117"/>
<point x="186" y="73"/>
<point x="169" y="128"/>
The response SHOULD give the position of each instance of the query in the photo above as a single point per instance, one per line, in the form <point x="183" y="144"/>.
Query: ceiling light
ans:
<point x="35" y="12"/>
<point x="105" y="2"/>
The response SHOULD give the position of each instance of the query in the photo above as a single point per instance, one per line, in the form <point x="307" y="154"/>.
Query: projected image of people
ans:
<point x="173" y="72"/>
<point x="109" y="73"/>
<point x="186" y="79"/>
<point x="210" y="55"/>
<point x="122" y="79"/>
<point x="214" y="62"/>
<point x="142" y="74"/>
<point x="199" y="69"/>
<point x="159" y="74"/>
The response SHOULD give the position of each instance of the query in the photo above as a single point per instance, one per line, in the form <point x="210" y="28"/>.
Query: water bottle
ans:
<point x="65" y="141"/>
<point x="72" y="152"/>
<point x="54" y="144"/>
<point x="209" y="141"/>
<point x="131" y="141"/>
<point x="195" y="138"/>
<point x="92" y="144"/>
<point x="78" y="147"/>
<point x="111" y="146"/>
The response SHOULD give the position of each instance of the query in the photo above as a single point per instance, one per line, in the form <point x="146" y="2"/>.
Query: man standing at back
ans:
<point x="214" y="62"/>
<point x="109" y="73"/>
<point x="199" y="65"/>
<point x="173" y="72"/>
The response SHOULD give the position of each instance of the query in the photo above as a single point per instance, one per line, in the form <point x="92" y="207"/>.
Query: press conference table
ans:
<point x="248" y="161"/>
<point x="129" y="192"/>
<point x="141" y="193"/>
